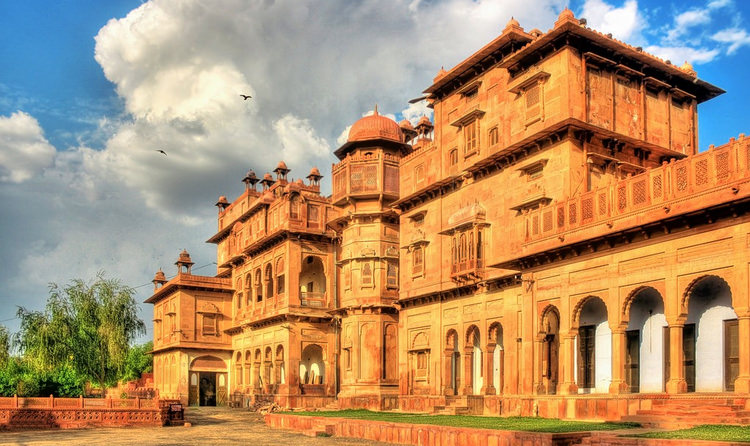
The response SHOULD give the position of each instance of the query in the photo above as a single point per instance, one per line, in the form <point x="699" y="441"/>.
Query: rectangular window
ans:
<point x="493" y="137"/>
<point x="417" y="260"/>
<point x="392" y="275"/>
<point x="453" y="157"/>
<point x="533" y="103"/>
<point x="280" y="284"/>
<point x="313" y="215"/>
<point x="366" y="274"/>
<point x="470" y="137"/>
<point x="209" y="325"/>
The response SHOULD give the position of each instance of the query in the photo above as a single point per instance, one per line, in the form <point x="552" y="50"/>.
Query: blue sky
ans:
<point x="89" y="90"/>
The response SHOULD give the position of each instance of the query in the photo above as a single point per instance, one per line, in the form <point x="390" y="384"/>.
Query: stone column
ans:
<point x="489" y="386"/>
<point x="568" y="360"/>
<point x="676" y="383"/>
<point x="619" y="341"/>
<point x="742" y="383"/>
<point x="468" y="378"/>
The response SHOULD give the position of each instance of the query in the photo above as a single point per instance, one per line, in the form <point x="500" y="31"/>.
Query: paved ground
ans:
<point x="211" y="426"/>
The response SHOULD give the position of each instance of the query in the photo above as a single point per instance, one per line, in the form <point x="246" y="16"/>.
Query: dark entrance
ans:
<point x="207" y="389"/>
<point x="731" y="353"/>
<point x="632" y="360"/>
<point x="586" y="336"/>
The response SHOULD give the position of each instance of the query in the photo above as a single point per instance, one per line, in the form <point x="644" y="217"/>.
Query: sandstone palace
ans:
<point x="552" y="244"/>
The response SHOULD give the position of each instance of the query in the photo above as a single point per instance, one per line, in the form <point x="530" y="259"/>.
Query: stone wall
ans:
<point x="67" y="413"/>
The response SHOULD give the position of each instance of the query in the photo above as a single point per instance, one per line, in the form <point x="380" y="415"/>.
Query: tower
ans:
<point x="365" y="183"/>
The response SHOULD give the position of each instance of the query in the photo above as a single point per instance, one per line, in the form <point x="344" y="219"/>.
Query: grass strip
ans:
<point x="715" y="432"/>
<point x="527" y="424"/>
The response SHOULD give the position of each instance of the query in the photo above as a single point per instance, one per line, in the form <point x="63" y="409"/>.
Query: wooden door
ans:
<point x="193" y="389"/>
<point x="731" y="353"/>
<point x="221" y="389"/>
<point x="688" y="352"/>
<point x="586" y="357"/>
<point x="632" y="360"/>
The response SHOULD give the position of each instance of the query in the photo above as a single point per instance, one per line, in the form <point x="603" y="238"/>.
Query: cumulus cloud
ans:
<point x="625" y="23"/>
<point x="24" y="151"/>
<point x="679" y="54"/>
<point x="734" y="37"/>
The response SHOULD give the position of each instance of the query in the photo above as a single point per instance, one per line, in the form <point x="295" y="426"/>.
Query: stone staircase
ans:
<point x="682" y="413"/>
<point x="454" y="405"/>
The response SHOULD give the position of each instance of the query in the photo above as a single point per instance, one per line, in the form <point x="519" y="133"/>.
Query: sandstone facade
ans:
<point x="554" y="235"/>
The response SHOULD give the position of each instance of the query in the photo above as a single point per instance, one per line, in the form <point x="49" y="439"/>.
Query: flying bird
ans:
<point x="246" y="96"/>
<point x="161" y="151"/>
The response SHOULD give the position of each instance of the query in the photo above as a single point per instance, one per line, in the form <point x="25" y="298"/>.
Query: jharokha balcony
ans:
<point x="677" y="195"/>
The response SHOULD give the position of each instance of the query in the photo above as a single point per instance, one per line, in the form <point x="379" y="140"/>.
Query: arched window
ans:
<point x="462" y="248"/>
<point x="258" y="286"/>
<point x="453" y="157"/>
<point x="248" y="289"/>
<point x="366" y="274"/>
<point x="280" y="276"/>
<point x="294" y="207"/>
<point x="417" y="260"/>
<point x="493" y="138"/>
<point x="392" y="275"/>
<point x="269" y="281"/>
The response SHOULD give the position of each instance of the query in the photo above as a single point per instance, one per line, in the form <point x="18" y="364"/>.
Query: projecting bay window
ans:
<point x="467" y="252"/>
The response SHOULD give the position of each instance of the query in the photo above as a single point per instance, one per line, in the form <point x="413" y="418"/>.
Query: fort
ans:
<point x="552" y="244"/>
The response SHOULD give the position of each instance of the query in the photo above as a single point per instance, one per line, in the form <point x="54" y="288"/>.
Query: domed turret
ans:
<point x="159" y="279"/>
<point x="375" y="126"/>
<point x="222" y="203"/>
<point x="184" y="262"/>
<point x="314" y="176"/>
<point x="372" y="128"/>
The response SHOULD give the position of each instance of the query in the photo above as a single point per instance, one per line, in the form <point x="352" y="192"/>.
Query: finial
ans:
<point x="376" y="110"/>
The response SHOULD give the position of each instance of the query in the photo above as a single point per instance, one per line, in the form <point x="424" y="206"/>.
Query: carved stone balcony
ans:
<point x="467" y="270"/>
<point x="679" y="189"/>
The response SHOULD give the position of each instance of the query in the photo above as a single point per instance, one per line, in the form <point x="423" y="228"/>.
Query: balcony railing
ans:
<point x="312" y="300"/>
<point x="678" y="186"/>
<point x="467" y="270"/>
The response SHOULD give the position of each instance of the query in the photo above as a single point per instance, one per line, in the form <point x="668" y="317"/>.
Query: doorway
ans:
<point x="731" y="353"/>
<point x="586" y="340"/>
<point x="633" y="360"/>
<point x="207" y="389"/>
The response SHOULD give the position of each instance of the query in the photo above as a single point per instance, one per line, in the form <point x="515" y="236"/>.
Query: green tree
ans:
<point x="4" y="345"/>
<point x="87" y="326"/>
<point x="139" y="360"/>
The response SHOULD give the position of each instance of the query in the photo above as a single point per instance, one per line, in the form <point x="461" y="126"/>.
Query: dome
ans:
<point x="314" y="172"/>
<point x="159" y="276"/>
<point x="405" y="124"/>
<point x="281" y="166"/>
<point x="267" y="177"/>
<point x="424" y="120"/>
<point x="375" y="126"/>
<point x="184" y="258"/>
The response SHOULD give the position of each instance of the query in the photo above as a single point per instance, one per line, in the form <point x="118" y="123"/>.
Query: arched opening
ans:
<point x="208" y="380"/>
<point x="238" y="370"/>
<point x="258" y="286"/>
<point x="268" y="279"/>
<point x="474" y="361"/>
<point x="257" y="378"/>
<point x="312" y="282"/>
<point x="644" y="342"/>
<point x="248" y="366"/>
<point x="454" y="360"/>
<point x="312" y="367"/>
<point x="267" y="368"/>
<point x="280" y="369"/>
<point x="550" y="350"/>
<point x="594" y="347"/>
<point x="710" y="337"/>
<point x="495" y="346"/>
<point x="248" y="289"/>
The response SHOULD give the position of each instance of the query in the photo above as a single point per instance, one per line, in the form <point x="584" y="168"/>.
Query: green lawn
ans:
<point x="528" y="424"/>
<point x="715" y="432"/>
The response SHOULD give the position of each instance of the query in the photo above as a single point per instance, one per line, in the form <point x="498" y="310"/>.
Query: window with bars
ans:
<point x="467" y="250"/>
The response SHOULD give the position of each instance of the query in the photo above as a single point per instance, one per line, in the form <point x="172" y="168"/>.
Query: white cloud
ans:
<point x="717" y="4"/>
<point x="625" y="23"/>
<point x="415" y="111"/>
<point x="299" y="141"/>
<point x="735" y="37"/>
<point x="24" y="151"/>
<point x="679" y="54"/>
